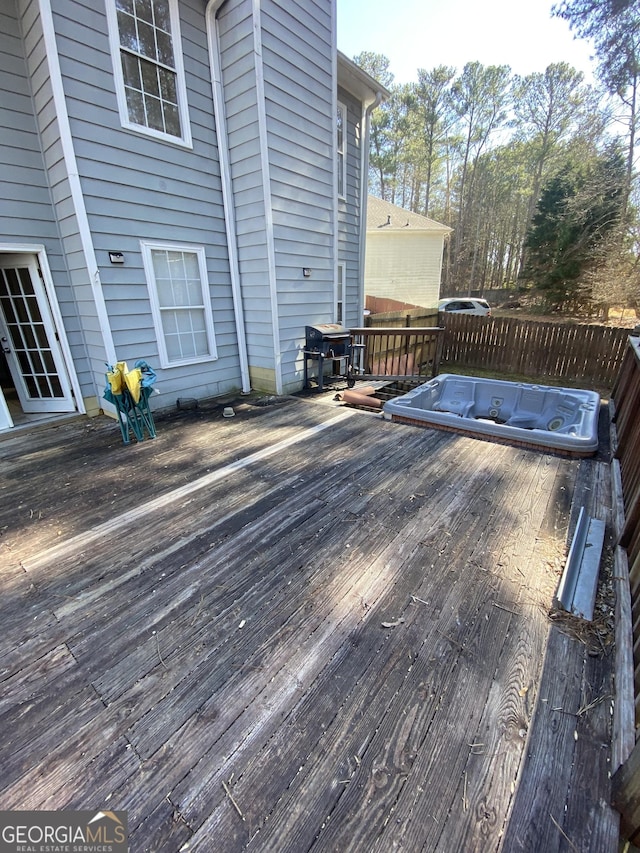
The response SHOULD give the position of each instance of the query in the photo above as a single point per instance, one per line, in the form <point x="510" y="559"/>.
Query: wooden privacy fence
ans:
<point x="422" y="317"/>
<point x="588" y="354"/>
<point x="396" y="353"/>
<point x="626" y="482"/>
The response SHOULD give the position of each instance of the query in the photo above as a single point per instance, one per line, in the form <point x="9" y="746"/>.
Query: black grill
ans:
<point x="328" y="341"/>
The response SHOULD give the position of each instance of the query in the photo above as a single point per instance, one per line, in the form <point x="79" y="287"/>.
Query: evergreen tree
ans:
<point x="614" y="27"/>
<point x="578" y="210"/>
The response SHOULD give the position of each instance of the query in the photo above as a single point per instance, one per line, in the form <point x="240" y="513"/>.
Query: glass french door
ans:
<point x="28" y="338"/>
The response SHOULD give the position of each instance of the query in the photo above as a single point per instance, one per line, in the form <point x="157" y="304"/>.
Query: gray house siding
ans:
<point x="299" y="96"/>
<point x="87" y="347"/>
<point x="26" y="214"/>
<point x="349" y="213"/>
<point x="93" y="187"/>
<point x="238" y="68"/>
<point x="137" y="188"/>
<point x="284" y="218"/>
<point x="28" y="203"/>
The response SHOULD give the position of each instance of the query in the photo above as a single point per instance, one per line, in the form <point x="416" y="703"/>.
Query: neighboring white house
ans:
<point x="182" y="181"/>
<point x="404" y="254"/>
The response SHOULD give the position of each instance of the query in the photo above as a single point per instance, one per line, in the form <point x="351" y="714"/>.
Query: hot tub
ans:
<point x="559" y="419"/>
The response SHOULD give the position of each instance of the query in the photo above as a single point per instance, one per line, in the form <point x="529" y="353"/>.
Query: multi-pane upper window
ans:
<point x="341" y="136"/>
<point x="149" y="67"/>
<point x="180" y="303"/>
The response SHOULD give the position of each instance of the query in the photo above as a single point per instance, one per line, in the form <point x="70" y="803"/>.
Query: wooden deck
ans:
<point x="301" y="629"/>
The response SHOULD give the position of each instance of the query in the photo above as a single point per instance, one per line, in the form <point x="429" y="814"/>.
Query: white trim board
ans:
<point x="71" y="166"/>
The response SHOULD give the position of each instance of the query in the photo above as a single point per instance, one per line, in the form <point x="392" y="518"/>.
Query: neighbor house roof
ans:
<point x="384" y="216"/>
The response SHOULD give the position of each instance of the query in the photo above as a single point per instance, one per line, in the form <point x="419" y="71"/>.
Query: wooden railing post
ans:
<point x="438" y="356"/>
<point x="625" y="795"/>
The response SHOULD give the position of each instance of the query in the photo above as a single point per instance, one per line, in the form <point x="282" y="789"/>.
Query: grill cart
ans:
<point x="328" y="342"/>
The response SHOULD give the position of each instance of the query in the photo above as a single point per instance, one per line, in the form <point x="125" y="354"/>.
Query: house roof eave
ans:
<point x="356" y="81"/>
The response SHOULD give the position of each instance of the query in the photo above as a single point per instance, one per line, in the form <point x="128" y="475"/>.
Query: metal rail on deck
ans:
<point x="579" y="582"/>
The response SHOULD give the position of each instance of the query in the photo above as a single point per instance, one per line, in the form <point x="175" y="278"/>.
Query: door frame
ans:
<point x="39" y="251"/>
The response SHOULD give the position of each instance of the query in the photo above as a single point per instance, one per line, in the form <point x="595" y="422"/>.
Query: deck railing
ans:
<point x="396" y="353"/>
<point x="626" y="398"/>
<point x="626" y="480"/>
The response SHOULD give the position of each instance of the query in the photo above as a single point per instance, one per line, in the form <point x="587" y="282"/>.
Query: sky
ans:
<point x="416" y="34"/>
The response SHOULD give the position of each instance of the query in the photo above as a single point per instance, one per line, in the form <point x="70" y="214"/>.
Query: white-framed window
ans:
<point x="340" y="304"/>
<point x="180" y="303"/>
<point x="148" y="69"/>
<point x="341" y="149"/>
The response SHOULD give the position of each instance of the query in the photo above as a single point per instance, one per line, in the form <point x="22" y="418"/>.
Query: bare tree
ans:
<point x="482" y="98"/>
<point x="433" y="105"/>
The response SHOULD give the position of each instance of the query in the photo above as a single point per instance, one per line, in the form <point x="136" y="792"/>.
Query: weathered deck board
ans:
<point x="419" y="818"/>
<point x="128" y="475"/>
<point x="591" y="823"/>
<point x="333" y="582"/>
<point x="404" y="585"/>
<point x="496" y="749"/>
<point x="230" y="630"/>
<point x="583" y="822"/>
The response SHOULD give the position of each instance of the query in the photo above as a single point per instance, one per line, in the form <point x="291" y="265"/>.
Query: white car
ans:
<point x="465" y="306"/>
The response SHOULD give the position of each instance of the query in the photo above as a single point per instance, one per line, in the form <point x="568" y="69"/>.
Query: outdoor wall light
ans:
<point x="306" y="272"/>
<point x="116" y="257"/>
